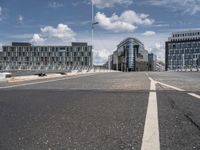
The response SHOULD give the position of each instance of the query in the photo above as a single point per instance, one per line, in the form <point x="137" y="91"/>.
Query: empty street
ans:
<point x="102" y="111"/>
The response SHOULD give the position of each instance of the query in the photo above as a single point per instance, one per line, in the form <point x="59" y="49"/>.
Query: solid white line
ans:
<point x="194" y="95"/>
<point x="172" y="87"/>
<point x="153" y="84"/>
<point x="41" y="82"/>
<point x="151" y="139"/>
<point x="178" y="89"/>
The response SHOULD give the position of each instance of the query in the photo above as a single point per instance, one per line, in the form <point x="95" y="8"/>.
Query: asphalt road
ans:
<point x="106" y="111"/>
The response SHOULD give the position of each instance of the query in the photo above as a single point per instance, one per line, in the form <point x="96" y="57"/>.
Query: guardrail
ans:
<point x="26" y="72"/>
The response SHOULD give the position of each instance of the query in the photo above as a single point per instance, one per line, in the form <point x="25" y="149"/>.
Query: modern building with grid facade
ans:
<point x="182" y="51"/>
<point x="27" y="56"/>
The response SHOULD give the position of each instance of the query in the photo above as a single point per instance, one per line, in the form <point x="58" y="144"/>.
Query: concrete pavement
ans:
<point x="101" y="111"/>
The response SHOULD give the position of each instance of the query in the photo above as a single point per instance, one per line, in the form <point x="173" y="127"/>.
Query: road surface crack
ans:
<point x="185" y="114"/>
<point x="192" y="121"/>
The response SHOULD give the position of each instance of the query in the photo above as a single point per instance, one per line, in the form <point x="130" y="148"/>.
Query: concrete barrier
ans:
<point x="4" y="76"/>
<point x="33" y="77"/>
<point x="48" y="76"/>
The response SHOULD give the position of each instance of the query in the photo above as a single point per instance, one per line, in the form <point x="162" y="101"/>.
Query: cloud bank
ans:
<point x="62" y="32"/>
<point x="128" y="21"/>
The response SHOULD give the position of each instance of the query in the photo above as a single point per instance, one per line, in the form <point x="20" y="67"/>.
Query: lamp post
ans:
<point x="93" y="25"/>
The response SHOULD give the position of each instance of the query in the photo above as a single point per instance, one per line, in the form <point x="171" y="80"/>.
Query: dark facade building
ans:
<point x="182" y="51"/>
<point x="152" y="62"/>
<point x="27" y="56"/>
<point x="129" y="56"/>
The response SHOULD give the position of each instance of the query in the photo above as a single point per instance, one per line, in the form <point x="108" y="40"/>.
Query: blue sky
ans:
<point x="62" y="21"/>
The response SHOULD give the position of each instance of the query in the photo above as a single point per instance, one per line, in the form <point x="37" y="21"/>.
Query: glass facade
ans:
<point x="130" y="56"/>
<point x="130" y="60"/>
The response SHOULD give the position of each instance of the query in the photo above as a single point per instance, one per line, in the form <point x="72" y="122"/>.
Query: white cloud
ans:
<point x="55" y="5"/>
<point x="149" y="33"/>
<point x="110" y="3"/>
<point x="113" y="24"/>
<point x="20" y="19"/>
<point x="37" y="39"/>
<point x="62" y="32"/>
<point x="186" y="6"/>
<point x="126" y="22"/>
<point x="101" y="56"/>
<point x="3" y="13"/>
<point x="159" y="50"/>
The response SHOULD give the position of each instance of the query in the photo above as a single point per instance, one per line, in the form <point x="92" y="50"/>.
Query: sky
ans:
<point x="59" y="22"/>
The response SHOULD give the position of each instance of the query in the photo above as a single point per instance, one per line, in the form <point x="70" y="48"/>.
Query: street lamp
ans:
<point x="93" y="24"/>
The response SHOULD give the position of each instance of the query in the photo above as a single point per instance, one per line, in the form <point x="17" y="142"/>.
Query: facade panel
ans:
<point x="182" y="51"/>
<point x="26" y="56"/>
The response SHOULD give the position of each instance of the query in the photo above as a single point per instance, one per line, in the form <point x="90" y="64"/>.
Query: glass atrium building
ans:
<point x="130" y="56"/>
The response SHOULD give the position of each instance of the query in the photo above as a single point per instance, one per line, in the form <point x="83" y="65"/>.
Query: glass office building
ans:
<point x="27" y="56"/>
<point x="130" y="56"/>
<point x="182" y="51"/>
<point x="152" y="62"/>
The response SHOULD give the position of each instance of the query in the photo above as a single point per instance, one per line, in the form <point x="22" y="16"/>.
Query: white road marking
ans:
<point x="178" y="89"/>
<point x="175" y="88"/>
<point x="194" y="95"/>
<point x="153" y="84"/>
<point x="172" y="87"/>
<point x="151" y="139"/>
<point x="41" y="82"/>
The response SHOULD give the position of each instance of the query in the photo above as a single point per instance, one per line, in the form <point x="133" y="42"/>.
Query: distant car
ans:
<point x="41" y="74"/>
<point x="63" y="73"/>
